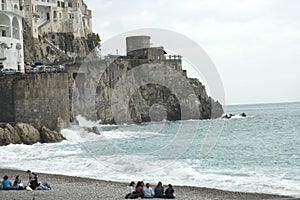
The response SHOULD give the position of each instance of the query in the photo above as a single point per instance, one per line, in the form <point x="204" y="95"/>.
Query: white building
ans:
<point x="11" y="35"/>
<point x="58" y="16"/>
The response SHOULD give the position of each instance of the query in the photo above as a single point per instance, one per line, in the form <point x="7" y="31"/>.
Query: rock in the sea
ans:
<point x="48" y="136"/>
<point x="94" y="129"/>
<point x="8" y="135"/>
<point x="27" y="133"/>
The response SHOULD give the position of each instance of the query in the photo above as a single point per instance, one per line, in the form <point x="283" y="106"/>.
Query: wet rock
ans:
<point x="22" y="133"/>
<point x="27" y="133"/>
<point x="8" y="135"/>
<point x="48" y="136"/>
<point x="94" y="129"/>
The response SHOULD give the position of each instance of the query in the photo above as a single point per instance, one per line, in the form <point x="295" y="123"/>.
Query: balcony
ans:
<point x="51" y="3"/>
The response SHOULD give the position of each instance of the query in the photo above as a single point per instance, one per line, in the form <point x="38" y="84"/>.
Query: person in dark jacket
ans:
<point x="159" y="190"/>
<point x="18" y="183"/>
<point x="34" y="183"/>
<point x="169" y="193"/>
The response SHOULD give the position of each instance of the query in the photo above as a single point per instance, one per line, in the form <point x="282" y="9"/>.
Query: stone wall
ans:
<point x="6" y="100"/>
<point x="40" y="100"/>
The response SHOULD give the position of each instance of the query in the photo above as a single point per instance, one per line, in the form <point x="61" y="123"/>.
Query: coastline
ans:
<point x="69" y="187"/>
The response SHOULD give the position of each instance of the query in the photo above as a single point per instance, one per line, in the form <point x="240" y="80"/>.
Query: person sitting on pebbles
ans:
<point x="18" y="183"/>
<point x="159" y="190"/>
<point x="169" y="193"/>
<point x="6" y="183"/>
<point x="131" y="194"/>
<point x="35" y="185"/>
<point x="148" y="191"/>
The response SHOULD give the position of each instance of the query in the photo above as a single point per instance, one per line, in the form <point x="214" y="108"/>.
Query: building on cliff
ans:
<point x="138" y="48"/>
<point x="11" y="35"/>
<point x="53" y="16"/>
<point x="57" y="30"/>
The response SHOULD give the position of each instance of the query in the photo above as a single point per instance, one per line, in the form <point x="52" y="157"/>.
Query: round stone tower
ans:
<point x="137" y="42"/>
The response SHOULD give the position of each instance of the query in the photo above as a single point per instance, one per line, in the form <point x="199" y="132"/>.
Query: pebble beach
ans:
<point x="69" y="188"/>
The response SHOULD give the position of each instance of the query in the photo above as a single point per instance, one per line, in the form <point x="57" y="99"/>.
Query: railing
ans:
<point x="42" y="23"/>
<point x="54" y="46"/>
<point x="173" y="57"/>
<point x="10" y="8"/>
<point x="46" y="3"/>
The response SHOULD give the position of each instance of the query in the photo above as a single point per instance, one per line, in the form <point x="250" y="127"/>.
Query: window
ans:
<point x="58" y="3"/>
<point x="2" y="4"/>
<point x="175" y="66"/>
<point x="54" y="14"/>
<point x="158" y="57"/>
<point x="70" y="4"/>
<point x="71" y="15"/>
<point x="59" y="15"/>
<point x="3" y="33"/>
<point x="1" y="53"/>
<point x="62" y="4"/>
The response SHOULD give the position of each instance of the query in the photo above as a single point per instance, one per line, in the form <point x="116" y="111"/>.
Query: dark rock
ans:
<point x="243" y="114"/>
<point x="48" y="136"/>
<point x="27" y="133"/>
<point x="227" y="116"/>
<point x="94" y="129"/>
<point x="9" y="135"/>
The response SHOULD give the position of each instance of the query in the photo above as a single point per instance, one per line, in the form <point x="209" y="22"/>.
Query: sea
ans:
<point x="257" y="153"/>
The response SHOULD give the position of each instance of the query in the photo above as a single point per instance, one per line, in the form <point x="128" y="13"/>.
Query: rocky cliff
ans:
<point x="57" y="47"/>
<point x="21" y="133"/>
<point x="139" y="98"/>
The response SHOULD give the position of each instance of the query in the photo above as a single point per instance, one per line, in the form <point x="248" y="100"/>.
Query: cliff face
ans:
<point x="57" y="47"/>
<point x="123" y="96"/>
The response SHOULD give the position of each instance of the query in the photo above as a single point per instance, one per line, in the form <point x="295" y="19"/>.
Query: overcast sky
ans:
<point x="254" y="44"/>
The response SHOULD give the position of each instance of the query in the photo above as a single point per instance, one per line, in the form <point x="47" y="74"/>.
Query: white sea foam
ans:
<point x="83" y="122"/>
<point x="76" y="157"/>
<point x="69" y="159"/>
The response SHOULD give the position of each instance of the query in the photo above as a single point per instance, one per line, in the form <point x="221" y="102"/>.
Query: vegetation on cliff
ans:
<point x="57" y="47"/>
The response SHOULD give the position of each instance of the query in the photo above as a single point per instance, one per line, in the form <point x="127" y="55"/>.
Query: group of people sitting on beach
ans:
<point x="33" y="183"/>
<point x="145" y="191"/>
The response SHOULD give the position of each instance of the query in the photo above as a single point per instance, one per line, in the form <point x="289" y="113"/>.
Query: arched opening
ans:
<point x="16" y="28"/>
<point x="3" y="5"/>
<point x="16" y="8"/>
<point x="4" y="26"/>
